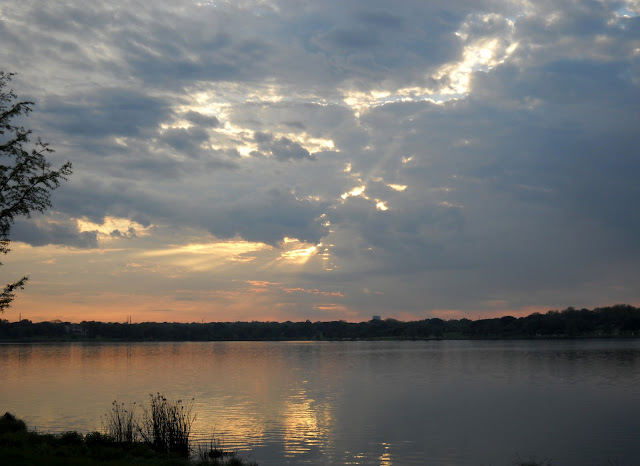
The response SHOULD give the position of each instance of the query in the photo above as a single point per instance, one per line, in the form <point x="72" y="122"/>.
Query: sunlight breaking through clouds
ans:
<point x="381" y="205"/>
<point x="355" y="192"/>
<point x="378" y="145"/>
<point x="113" y="228"/>
<point x="207" y="256"/>
<point x="397" y="187"/>
<point x="314" y="291"/>
<point x="482" y="54"/>
<point x="299" y="256"/>
<point x="452" y="80"/>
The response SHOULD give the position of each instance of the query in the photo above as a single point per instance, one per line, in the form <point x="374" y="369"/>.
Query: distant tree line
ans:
<point x="621" y="320"/>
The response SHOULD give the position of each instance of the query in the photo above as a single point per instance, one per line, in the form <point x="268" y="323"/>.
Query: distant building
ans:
<point x="375" y="318"/>
<point x="75" y="329"/>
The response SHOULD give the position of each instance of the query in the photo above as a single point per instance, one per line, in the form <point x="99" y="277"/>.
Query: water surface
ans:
<point x="434" y="402"/>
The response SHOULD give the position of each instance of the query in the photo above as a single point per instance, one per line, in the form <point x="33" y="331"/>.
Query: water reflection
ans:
<point x="377" y="403"/>
<point x="306" y="423"/>
<point x="385" y="458"/>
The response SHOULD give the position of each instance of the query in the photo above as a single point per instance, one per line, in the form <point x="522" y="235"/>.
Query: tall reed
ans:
<point x="166" y="425"/>
<point x="120" y="423"/>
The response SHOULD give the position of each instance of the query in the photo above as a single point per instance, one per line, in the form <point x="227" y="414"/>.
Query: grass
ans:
<point x="166" y="424"/>
<point x="19" y="446"/>
<point x="213" y="455"/>
<point x="120" y="423"/>
<point x="532" y="461"/>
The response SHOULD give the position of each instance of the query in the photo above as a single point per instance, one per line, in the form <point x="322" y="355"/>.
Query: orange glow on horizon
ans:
<point x="222" y="306"/>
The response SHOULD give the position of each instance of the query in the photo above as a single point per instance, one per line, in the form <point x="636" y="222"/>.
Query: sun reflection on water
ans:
<point x="306" y="423"/>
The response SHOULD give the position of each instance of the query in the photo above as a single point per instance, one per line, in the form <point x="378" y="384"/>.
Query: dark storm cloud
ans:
<point x="268" y="218"/>
<point x="541" y="162"/>
<point x="180" y="44"/>
<point x="184" y="139"/>
<point x="270" y="221"/>
<point x="202" y="120"/>
<point x="61" y="232"/>
<point x="408" y="239"/>
<point x="353" y="39"/>
<point x="105" y="112"/>
<point x="381" y="19"/>
<point x="173" y="48"/>
<point x="283" y="148"/>
<point x="369" y="45"/>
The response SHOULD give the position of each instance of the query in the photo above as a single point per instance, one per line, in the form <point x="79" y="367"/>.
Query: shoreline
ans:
<point x="523" y="338"/>
<point x="21" y="446"/>
<point x="618" y="321"/>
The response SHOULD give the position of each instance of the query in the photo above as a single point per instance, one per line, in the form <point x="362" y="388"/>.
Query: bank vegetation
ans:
<point x="621" y="320"/>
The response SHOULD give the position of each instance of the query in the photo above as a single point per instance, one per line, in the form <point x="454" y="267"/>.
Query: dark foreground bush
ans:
<point x="20" y="447"/>
<point x="9" y="423"/>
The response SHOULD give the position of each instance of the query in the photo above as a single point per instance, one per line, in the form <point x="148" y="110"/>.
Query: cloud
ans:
<point x="283" y="148"/>
<point x="276" y="216"/>
<point x="381" y="19"/>
<point x="510" y="127"/>
<point x="42" y="232"/>
<point x="202" y="120"/>
<point x="106" y="112"/>
<point x="185" y="139"/>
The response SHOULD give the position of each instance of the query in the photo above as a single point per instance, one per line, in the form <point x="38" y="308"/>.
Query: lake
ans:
<point x="384" y="403"/>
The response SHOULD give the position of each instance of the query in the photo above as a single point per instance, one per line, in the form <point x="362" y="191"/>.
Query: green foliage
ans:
<point x="26" y="176"/>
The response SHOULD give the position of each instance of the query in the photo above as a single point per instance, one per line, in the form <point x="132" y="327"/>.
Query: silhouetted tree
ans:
<point x="26" y="176"/>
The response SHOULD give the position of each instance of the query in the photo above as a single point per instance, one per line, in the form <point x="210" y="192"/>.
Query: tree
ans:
<point x="26" y="176"/>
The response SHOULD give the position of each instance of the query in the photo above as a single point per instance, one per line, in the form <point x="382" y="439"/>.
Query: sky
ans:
<point x="328" y="160"/>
